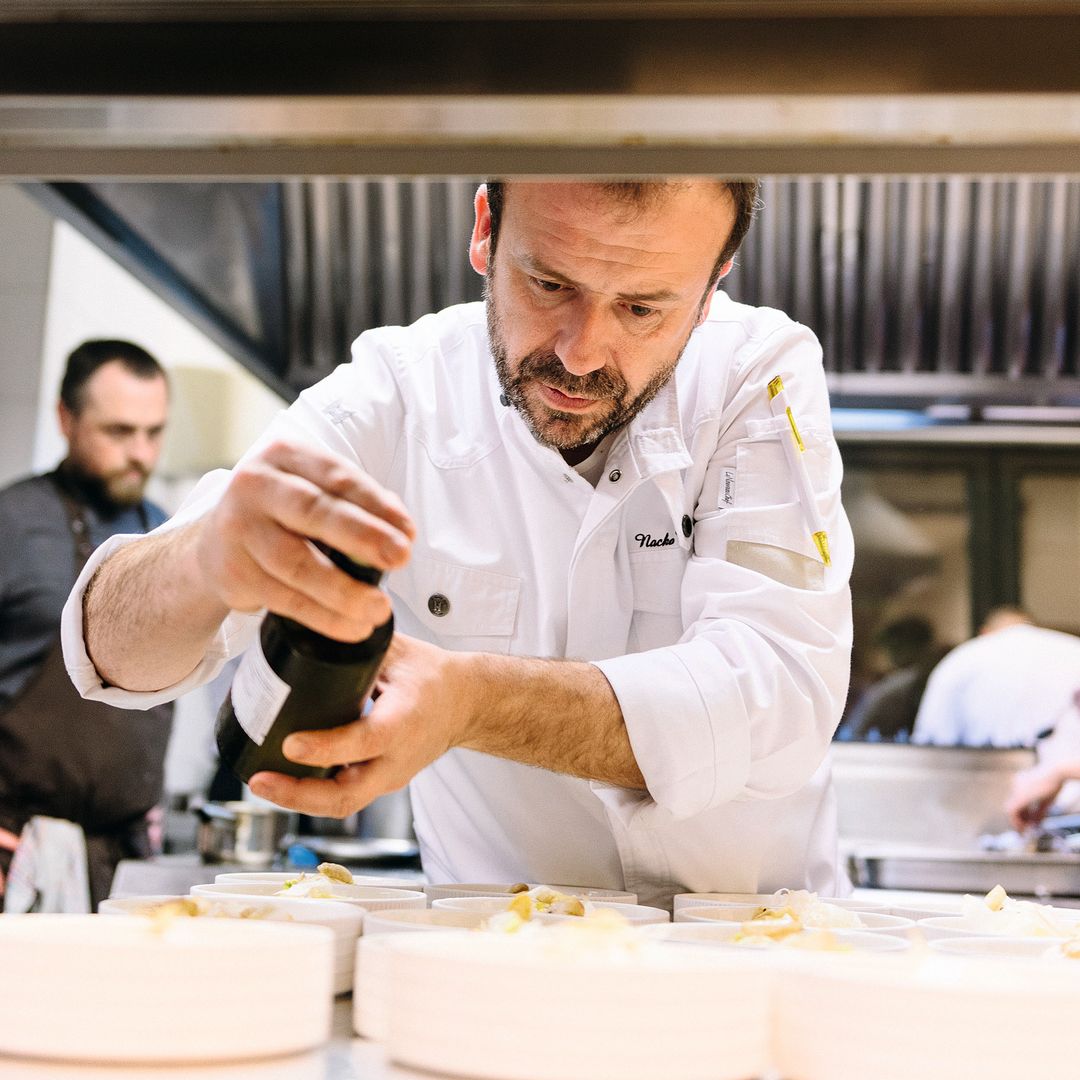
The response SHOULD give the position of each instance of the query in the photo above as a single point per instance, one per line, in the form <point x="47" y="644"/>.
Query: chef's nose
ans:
<point x="584" y="343"/>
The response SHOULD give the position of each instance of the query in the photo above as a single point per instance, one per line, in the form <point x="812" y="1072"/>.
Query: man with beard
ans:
<point x="60" y="756"/>
<point x="620" y="652"/>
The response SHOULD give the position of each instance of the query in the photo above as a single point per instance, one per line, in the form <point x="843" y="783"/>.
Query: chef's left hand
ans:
<point x="421" y="710"/>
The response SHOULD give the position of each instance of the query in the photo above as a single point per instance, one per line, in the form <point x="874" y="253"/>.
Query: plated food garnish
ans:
<point x="319" y="885"/>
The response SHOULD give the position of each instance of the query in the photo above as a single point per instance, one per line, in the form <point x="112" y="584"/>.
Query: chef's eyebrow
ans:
<point x="531" y="265"/>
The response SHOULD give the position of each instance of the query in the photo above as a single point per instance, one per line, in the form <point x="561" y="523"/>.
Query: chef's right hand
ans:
<point x="254" y="548"/>
<point x="1033" y="793"/>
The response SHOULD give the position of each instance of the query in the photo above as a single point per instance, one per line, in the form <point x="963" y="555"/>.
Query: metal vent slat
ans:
<point x="929" y="278"/>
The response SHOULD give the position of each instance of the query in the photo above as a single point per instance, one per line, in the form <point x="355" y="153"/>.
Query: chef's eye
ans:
<point x="547" y="286"/>
<point x="640" y="311"/>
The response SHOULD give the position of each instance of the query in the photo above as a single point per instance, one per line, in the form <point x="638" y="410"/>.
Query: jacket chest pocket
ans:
<point x="458" y="607"/>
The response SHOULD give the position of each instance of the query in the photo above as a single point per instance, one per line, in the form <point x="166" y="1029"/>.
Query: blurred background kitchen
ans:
<point x="946" y="292"/>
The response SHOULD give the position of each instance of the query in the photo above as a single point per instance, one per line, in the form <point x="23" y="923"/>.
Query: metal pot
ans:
<point x="241" y="832"/>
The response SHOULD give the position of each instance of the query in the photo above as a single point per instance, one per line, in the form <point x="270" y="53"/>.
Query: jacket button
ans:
<point x="687" y="526"/>
<point x="438" y="605"/>
<point x="504" y="400"/>
<point x="614" y="476"/>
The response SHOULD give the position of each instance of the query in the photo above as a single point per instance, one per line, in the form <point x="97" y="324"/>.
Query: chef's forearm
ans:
<point x="147" y="621"/>
<point x="555" y="714"/>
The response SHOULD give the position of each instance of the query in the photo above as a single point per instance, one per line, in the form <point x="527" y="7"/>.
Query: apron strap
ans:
<point x="78" y="523"/>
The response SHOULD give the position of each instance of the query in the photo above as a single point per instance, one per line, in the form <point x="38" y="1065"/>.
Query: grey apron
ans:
<point x="91" y="763"/>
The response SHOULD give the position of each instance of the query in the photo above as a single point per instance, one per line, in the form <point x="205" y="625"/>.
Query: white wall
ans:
<point x="218" y="407"/>
<point x="25" y="242"/>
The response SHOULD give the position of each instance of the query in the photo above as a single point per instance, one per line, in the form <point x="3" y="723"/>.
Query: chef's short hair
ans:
<point x="91" y="355"/>
<point x="744" y="196"/>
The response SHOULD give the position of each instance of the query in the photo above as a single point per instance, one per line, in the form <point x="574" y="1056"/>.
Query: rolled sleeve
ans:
<point x="671" y="733"/>
<point x="233" y="636"/>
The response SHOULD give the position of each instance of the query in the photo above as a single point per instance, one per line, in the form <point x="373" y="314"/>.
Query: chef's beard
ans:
<point x="119" y="490"/>
<point x="566" y="430"/>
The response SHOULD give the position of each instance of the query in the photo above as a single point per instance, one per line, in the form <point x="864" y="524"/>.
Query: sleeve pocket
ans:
<point x="762" y="471"/>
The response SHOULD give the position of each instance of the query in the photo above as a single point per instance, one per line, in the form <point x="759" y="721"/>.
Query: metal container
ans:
<point x="241" y="832"/>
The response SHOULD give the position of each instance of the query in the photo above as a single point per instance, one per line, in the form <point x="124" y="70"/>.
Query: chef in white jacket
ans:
<point x="620" y="651"/>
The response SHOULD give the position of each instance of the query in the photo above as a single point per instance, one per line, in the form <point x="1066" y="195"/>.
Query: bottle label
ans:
<point x="258" y="693"/>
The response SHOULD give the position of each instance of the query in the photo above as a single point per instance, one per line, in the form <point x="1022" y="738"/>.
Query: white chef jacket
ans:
<point x="687" y="575"/>
<point x="1000" y="689"/>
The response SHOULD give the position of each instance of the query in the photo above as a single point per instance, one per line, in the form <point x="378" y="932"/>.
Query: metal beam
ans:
<point x="59" y="138"/>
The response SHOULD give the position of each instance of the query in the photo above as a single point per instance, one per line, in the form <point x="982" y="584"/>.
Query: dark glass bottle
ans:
<point x="294" y="679"/>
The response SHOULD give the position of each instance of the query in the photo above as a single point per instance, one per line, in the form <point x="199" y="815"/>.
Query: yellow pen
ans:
<point x="794" y="449"/>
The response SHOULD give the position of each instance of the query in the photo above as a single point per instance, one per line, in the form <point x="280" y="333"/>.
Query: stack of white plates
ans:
<point x="85" y="988"/>
<point x="365" y="896"/>
<point x="490" y="905"/>
<point x="345" y="920"/>
<point x="528" y="1008"/>
<point x="443" y="892"/>
<point x="934" y="1019"/>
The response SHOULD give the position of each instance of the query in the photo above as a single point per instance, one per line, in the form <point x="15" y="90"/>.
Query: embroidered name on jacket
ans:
<point x="645" y="540"/>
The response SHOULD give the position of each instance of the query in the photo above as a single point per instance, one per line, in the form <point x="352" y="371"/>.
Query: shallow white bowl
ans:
<point x="367" y="897"/>
<point x="92" y="989"/>
<point x="723" y="934"/>
<point x="718" y="899"/>
<point x="396" y="922"/>
<point x="345" y="920"/>
<point x="447" y="891"/>
<point x="920" y="912"/>
<point x="491" y="905"/>
<point x="872" y="921"/>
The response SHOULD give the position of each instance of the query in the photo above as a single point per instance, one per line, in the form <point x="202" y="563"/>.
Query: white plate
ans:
<point x="491" y="905"/>
<point x="365" y="896"/>
<point x="95" y="989"/>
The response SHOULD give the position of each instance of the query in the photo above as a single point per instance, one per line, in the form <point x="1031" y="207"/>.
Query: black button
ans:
<point x="687" y="525"/>
<point x="614" y="476"/>
<point x="503" y="399"/>
<point x="438" y="605"/>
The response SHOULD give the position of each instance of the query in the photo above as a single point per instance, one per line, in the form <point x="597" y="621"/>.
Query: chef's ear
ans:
<point x="67" y="420"/>
<point x="703" y="314"/>
<point x="480" y="244"/>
